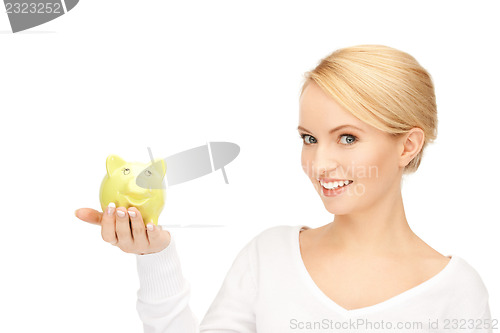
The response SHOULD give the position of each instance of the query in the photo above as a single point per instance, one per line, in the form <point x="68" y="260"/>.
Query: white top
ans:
<point x="269" y="290"/>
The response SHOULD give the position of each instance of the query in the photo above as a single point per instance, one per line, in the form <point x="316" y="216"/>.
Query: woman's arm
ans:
<point x="484" y="323"/>
<point x="163" y="297"/>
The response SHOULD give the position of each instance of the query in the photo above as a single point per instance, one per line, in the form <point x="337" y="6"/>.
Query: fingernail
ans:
<point x="120" y="213"/>
<point x="111" y="208"/>
<point x="131" y="213"/>
<point x="150" y="227"/>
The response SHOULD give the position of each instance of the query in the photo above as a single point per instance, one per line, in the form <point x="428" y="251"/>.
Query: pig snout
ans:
<point x="135" y="191"/>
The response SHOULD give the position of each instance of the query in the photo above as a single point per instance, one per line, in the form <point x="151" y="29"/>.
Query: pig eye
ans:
<point x="126" y="171"/>
<point x="148" y="173"/>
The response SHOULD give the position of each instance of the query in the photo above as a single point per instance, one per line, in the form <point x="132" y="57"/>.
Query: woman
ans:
<point x="366" y="115"/>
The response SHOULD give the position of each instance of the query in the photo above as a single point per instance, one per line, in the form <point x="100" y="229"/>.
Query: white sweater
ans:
<point x="269" y="290"/>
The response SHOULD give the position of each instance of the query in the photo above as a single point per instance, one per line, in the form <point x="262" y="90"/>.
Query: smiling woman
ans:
<point x="366" y="114"/>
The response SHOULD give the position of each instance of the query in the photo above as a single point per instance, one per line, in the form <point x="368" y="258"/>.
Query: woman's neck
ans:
<point x="381" y="230"/>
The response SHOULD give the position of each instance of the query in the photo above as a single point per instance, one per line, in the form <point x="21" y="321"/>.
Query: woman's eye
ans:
<point x="350" y="139"/>
<point x="303" y="136"/>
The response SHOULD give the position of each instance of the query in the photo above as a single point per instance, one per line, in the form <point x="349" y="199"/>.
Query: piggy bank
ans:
<point x="134" y="185"/>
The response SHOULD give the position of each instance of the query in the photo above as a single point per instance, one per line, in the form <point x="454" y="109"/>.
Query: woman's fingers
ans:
<point x="158" y="239"/>
<point x="129" y="235"/>
<point x="89" y="215"/>
<point x="123" y="232"/>
<point x="108" y="225"/>
<point x="138" y="230"/>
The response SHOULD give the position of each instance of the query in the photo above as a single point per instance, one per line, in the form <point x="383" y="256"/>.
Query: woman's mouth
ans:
<point x="331" y="189"/>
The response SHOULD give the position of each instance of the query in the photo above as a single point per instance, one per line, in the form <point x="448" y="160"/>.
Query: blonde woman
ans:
<point x="367" y="114"/>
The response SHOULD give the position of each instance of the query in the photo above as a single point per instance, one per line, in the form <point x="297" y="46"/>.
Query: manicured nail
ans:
<point x="111" y="208"/>
<point x="150" y="227"/>
<point x="131" y="213"/>
<point x="120" y="213"/>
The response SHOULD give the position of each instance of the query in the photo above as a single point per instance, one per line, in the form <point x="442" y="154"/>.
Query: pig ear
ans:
<point x="113" y="162"/>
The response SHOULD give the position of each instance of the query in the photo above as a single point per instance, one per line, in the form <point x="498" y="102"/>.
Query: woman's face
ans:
<point x="357" y="152"/>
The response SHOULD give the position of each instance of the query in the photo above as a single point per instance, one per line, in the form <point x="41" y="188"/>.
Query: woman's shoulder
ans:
<point x="278" y="232"/>
<point x="461" y="284"/>
<point x="276" y="240"/>
<point x="452" y="269"/>
<point x="454" y="272"/>
<point x="467" y="275"/>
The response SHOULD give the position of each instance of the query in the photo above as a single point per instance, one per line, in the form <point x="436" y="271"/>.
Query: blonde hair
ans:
<point x="382" y="86"/>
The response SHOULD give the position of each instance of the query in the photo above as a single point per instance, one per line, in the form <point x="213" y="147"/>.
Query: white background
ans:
<point x="118" y="76"/>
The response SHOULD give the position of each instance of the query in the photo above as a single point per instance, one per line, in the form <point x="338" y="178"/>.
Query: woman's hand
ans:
<point x="130" y="236"/>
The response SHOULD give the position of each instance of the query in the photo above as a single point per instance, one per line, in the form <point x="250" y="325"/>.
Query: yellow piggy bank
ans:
<point x="134" y="185"/>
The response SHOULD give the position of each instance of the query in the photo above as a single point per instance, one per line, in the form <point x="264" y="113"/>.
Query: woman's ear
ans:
<point x="411" y="144"/>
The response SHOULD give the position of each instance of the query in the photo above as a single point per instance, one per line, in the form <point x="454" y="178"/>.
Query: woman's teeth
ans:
<point x="335" y="184"/>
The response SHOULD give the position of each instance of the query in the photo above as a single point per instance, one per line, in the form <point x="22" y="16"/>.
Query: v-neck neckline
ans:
<point x="405" y="295"/>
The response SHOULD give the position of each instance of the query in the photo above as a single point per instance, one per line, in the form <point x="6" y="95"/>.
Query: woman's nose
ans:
<point x="324" y="164"/>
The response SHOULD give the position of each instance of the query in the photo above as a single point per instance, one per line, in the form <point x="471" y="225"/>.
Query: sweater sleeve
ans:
<point x="163" y="296"/>
<point x="484" y="322"/>
<point x="233" y="309"/>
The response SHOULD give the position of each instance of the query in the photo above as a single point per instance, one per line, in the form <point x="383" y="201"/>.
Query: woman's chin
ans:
<point x="337" y="210"/>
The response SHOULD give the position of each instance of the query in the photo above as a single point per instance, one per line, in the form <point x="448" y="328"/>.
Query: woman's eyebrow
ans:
<point x="333" y="130"/>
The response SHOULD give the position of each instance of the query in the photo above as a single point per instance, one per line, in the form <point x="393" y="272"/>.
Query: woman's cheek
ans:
<point x="306" y="163"/>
